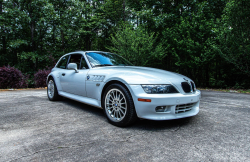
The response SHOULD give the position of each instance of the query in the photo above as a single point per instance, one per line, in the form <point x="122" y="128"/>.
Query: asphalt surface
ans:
<point x="32" y="128"/>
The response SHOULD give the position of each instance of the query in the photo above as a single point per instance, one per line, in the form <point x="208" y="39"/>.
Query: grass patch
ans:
<point x="227" y="90"/>
<point x="12" y="89"/>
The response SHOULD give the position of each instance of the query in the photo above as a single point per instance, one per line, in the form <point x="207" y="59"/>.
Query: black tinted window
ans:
<point x="63" y="62"/>
<point x="76" y="58"/>
<point x="84" y="64"/>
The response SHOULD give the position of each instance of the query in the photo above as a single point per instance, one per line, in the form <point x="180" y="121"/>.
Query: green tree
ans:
<point x="234" y="35"/>
<point x="136" y="45"/>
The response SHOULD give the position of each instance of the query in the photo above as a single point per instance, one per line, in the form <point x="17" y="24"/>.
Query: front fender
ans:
<point x="119" y="80"/>
<point x="115" y="79"/>
<point x="48" y="78"/>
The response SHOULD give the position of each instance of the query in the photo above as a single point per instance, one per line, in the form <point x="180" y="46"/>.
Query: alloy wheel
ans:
<point x="51" y="88"/>
<point x="115" y="105"/>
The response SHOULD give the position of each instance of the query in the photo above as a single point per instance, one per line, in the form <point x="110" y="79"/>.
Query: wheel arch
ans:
<point x="118" y="82"/>
<point x="48" y="77"/>
<point x="51" y="75"/>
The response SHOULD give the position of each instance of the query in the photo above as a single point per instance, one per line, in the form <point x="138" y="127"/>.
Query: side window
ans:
<point x="63" y="62"/>
<point x="76" y="58"/>
<point x="84" y="65"/>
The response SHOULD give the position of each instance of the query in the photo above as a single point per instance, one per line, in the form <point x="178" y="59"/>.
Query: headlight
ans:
<point x="157" y="89"/>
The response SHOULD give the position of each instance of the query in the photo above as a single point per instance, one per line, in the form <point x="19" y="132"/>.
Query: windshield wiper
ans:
<point x="103" y="65"/>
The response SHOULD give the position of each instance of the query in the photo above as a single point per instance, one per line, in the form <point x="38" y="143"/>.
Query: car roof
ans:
<point x="75" y="52"/>
<point x="89" y="51"/>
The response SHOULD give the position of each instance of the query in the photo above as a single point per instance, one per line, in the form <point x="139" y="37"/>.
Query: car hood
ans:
<point x="139" y="75"/>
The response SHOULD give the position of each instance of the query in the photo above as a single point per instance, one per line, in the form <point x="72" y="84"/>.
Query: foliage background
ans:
<point x="206" y="40"/>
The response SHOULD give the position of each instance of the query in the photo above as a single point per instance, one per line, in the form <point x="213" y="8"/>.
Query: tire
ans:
<point x="52" y="92"/>
<point x="118" y="105"/>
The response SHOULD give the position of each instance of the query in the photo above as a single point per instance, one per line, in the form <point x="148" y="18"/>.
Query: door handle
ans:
<point x="63" y="74"/>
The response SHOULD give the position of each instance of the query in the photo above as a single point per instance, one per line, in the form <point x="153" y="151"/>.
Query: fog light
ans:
<point x="162" y="109"/>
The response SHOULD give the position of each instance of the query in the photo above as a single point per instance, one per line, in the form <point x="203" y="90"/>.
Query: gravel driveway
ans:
<point x="34" y="129"/>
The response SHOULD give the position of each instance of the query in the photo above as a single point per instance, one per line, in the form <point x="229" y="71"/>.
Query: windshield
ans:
<point x="106" y="59"/>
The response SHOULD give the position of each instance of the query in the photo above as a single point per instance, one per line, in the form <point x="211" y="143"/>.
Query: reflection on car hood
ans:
<point x="139" y="75"/>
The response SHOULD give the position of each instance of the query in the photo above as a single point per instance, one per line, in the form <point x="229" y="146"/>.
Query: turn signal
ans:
<point x="144" y="100"/>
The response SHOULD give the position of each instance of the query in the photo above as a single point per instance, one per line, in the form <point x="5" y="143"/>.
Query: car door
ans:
<point x="74" y="82"/>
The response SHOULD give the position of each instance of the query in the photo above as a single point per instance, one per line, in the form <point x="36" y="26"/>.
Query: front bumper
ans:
<point x="147" y="110"/>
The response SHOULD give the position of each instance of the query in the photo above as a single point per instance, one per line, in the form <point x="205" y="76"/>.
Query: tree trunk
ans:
<point x="32" y="26"/>
<point x="41" y="40"/>
<point x="32" y="29"/>
<point x="207" y="75"/>
<point x="62" y="37"/>
<point x="3" y="35"/>
<point x="124" y="7"/>
<point x="53" y="36"/>
<point x="87" y="42"/>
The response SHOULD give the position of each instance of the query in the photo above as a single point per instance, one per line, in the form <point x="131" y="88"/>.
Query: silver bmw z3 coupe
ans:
<point x="125" y="92"/>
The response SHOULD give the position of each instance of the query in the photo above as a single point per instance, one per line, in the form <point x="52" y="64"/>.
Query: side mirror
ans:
<point x="72" y="66"/>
